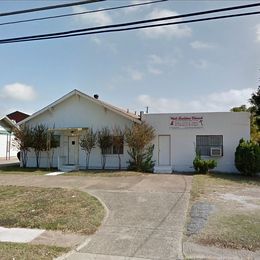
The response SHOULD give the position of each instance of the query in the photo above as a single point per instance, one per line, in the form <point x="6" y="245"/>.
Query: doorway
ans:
<point x="73" y="150"/>
<point x="164" y="156"/>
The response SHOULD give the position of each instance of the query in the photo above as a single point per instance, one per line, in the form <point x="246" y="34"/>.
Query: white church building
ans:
<point x="216" y="135"/>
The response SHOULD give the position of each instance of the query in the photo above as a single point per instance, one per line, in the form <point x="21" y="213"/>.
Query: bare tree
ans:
<point x="87" y="143"/>
<point x="105" y="142"/>
<point x="118" y="143"/>
<point x="23" y="142"/>
<point x="39" y="141"/>
<point x="52" y="143"/>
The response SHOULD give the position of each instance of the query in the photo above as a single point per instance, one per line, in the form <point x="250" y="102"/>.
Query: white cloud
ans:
<point x="156" y="63"/>
<point x="134" y="8"/>
<point x="96" y="40"/>
<point x="154" y="71"/>
<point x="199" y="64"/>
<point x="135" y="74"/>
<point x="104" y="44"/>
<point x="217" y="101"/>
<point x="18" y="91"/>
<point x="95" y="19"/>
<point x="170" y="31"/>
<point x="258" y="32"/>
<point x="201" y="45"/>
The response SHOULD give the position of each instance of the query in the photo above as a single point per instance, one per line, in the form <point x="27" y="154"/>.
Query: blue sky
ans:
<point x="208" y="66"/>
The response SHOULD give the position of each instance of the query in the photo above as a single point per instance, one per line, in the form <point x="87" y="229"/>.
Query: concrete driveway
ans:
<point x="146" y="214"/>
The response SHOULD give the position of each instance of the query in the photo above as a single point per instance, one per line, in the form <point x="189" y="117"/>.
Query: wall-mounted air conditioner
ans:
<point x="215" y="151"/>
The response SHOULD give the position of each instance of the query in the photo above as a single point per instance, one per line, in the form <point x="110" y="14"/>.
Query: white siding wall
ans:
<point x="3" y="144"/>
<point x="79" y="112"/>
<point x="233" y="126"/>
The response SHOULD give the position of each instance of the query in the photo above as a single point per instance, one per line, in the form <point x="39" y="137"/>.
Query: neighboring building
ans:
<point x="17" y="116"/>
<point x="7" y="123"/>
<point x="216" y="135"/>
<point x="6" y="138"/>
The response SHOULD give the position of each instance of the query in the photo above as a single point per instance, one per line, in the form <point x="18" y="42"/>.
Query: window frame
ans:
<point x="210" y="144"/>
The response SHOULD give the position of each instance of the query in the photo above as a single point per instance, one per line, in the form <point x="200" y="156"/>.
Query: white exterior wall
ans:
<point x="232" y="125"/>
<point x="78" y="112"/>
<point x="4" y="139"/>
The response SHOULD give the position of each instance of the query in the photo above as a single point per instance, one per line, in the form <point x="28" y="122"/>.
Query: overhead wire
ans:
<point x="134" y="23"/>
<point x="49" y="7"/>
<point x="83" y="12"/>
<point x="130" y="28"/>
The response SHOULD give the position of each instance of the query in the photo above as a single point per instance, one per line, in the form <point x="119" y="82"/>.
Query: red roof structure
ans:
<point x="17" y="116"/>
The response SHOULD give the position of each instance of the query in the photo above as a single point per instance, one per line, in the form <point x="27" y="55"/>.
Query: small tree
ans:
<point x="138" y="138"/>
<point x="105" y="142"/>
<point x="247" y="157"/>
<point x="52" y="143"/>
<point x="39" y="141"/>
<point x="87" y="143"/>
<point x="23" y="142"/>
<point x="118" y="142"/>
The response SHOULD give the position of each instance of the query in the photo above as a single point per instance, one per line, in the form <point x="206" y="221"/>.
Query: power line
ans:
<point x="130" y="28"/>
<point x="49" y="7"/>
<point x="132" y="23"/>
<point x="81" y="13"/>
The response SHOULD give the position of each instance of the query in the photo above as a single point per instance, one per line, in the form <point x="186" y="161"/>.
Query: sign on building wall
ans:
<point x="186" y="121"/>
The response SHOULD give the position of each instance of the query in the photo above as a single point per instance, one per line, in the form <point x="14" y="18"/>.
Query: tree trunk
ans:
<point x="87" y="160"/>
<point x="119" y="161"/>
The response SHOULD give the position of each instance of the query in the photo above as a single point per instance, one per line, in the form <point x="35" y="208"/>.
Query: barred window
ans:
<point x="204" y="143"/>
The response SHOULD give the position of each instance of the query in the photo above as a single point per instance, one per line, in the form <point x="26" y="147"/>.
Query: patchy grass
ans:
<point x="104" y="173"/>
<point x="233" y="224"/>
<point x="15" y="251"/>
<point x="89" y="173"/>
<point x="237" y="231"/>
<point x="51" y="209"/>
<point x="204" y="182"/>
<point x="24" y="171"/>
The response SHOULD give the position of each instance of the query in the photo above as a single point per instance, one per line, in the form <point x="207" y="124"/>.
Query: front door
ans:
<point x="73" y="150"/>
<point x="164" y="150"/>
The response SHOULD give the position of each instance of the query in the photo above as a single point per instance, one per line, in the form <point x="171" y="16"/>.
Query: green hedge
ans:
<point x="247" y="157"/>
<point x="203" y="166"/>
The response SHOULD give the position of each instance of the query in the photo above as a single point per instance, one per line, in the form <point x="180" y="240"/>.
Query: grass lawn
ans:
<point x="51" y="209"/>
<point x="235" y="222"/>
<point x="15" y="251"/>
<point x="104" y="173"/>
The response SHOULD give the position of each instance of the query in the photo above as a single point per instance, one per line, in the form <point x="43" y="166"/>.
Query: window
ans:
<point x="56" y="140"/>
<point x="204" y="143"/>
<point x="117" y="147"/>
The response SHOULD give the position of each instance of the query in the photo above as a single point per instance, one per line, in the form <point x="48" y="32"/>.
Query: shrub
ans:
<point x="203" y="166"/>
<point x="247" y="157"/>
<point x="138" y="138"/>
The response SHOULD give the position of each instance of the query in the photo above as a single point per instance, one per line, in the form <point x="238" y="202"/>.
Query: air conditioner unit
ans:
<point x="215" y="151"/>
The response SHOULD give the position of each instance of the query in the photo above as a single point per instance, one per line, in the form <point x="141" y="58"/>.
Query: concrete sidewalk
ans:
<point x="8" y="162"/>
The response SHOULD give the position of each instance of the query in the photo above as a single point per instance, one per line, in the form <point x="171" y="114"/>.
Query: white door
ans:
<point x="164" y="150"/>
<point x="73" y="150"/>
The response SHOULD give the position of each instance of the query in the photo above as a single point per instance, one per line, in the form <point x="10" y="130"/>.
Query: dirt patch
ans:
<point x="234" y="222"/>
<point x="198" y="217"/>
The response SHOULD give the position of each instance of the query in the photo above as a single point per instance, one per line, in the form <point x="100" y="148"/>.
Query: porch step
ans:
<point x="69" y="168"/>
<point x="162" y="169"/>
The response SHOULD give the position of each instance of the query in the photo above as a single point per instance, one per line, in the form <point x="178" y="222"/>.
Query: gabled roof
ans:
<point x="17" y="116"/>
<point x="114" y="109"/>
<point x="7" y="124"/>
